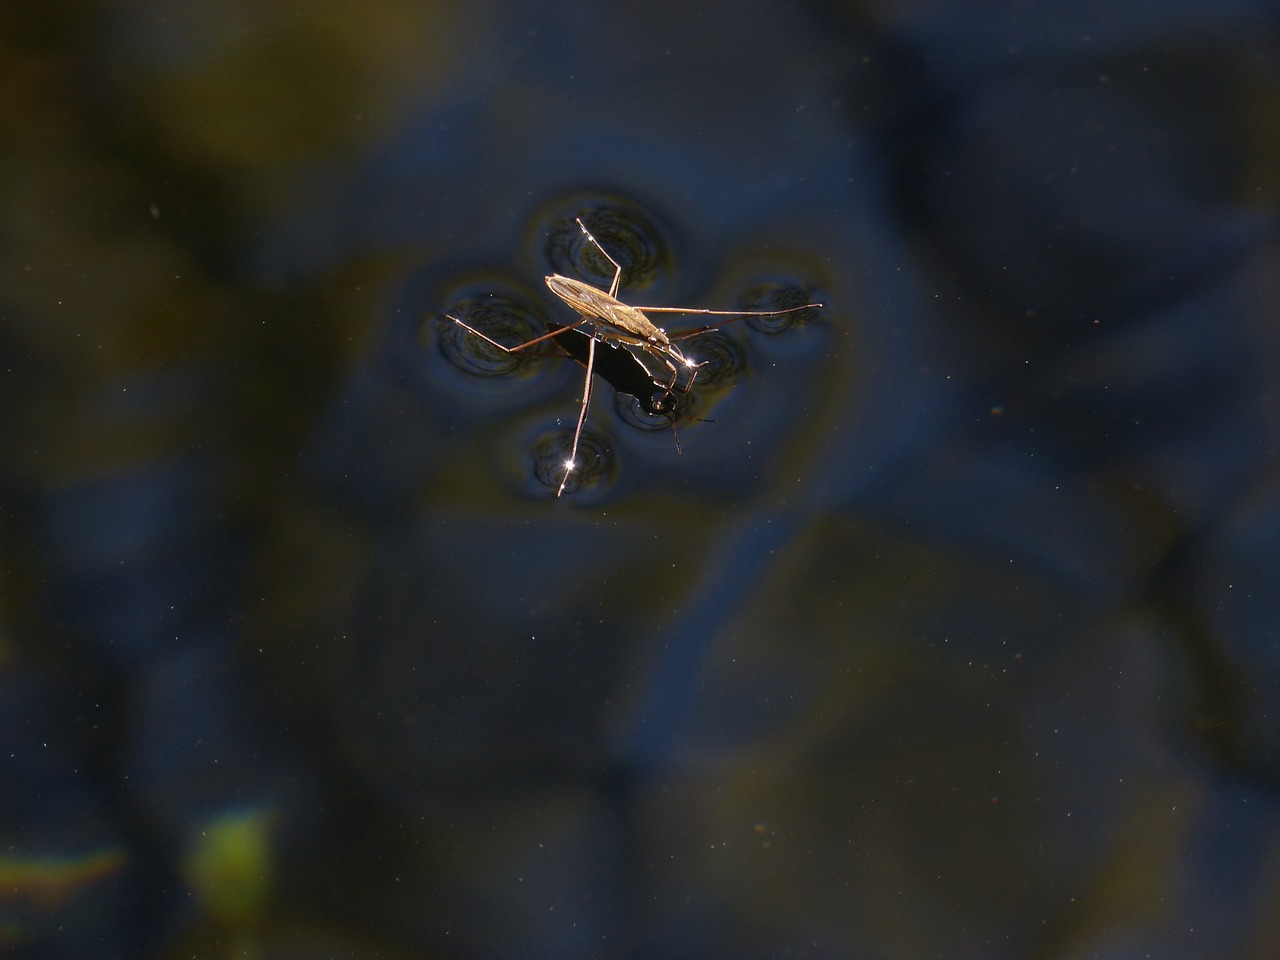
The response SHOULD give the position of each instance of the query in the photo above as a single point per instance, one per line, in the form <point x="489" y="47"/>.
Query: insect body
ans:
<point x="618" y="324"/>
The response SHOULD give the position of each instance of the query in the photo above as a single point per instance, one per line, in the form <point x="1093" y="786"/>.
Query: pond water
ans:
<point x="935" y="621"/>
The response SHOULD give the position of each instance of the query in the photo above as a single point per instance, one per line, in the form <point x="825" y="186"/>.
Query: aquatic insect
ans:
<point x="618" y="324"/>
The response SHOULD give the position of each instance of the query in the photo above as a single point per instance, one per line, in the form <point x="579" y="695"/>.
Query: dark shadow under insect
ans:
<point x="628" y="375"/>
<point x="617" y="324"/>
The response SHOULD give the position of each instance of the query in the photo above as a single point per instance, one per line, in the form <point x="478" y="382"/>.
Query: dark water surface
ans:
<point x="946" y="631"/>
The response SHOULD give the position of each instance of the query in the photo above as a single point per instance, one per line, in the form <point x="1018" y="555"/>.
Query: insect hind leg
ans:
<point x="519" y="346"/>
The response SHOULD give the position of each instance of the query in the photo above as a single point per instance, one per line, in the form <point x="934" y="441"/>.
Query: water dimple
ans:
<point x="505" y="318"/>
<point x="779" y="295"/>
<point x="719" y="356"/>
<point x="624" y="232"/>
<point x="592" y="467"/>
<point x="657" y="411"/>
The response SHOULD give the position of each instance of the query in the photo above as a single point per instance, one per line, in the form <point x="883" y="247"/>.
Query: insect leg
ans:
<point x="520" y="346"/>
<point x="582" y="417"/>
<point x="732" y="314"/>
<point x="617" y="267"/>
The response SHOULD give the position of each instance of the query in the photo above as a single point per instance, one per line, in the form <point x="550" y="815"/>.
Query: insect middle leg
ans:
<point x="572" y="462"/>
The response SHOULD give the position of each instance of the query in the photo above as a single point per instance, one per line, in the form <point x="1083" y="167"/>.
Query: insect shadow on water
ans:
<point x="609" y="320"/>
<point x="618" y="368"/>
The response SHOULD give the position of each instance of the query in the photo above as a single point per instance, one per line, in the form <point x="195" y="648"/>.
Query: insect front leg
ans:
<point x="617" y="267"/>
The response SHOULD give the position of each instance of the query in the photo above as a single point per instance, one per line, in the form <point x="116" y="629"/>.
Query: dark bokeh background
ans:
<point x="953" y="635"/>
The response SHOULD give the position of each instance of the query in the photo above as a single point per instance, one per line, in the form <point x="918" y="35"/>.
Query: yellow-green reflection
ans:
<point x="229" y="866"/>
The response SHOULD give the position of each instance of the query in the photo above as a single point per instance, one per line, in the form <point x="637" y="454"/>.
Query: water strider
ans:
<point x="618" y="324"/>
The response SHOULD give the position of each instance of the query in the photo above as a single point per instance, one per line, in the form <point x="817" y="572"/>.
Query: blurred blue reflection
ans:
<point x="946" y="631"/>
